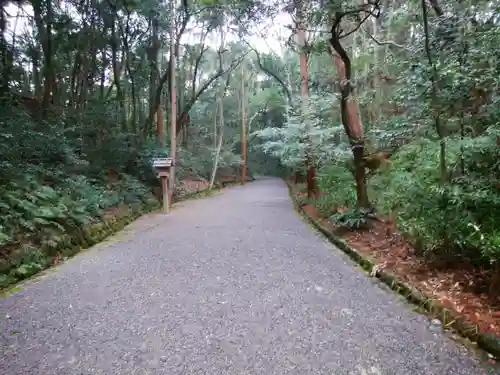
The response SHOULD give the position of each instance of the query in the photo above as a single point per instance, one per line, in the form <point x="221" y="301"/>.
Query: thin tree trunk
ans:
<point x="173" y="97"/>
<point x="215" y="128"/>
<point x="219" y="145"/>
<point x="221" y="131"/>
<point x="221" y="96"/>
<point x="301" y="39"/>
<point x="43" y="21"/>
<point x="376" y="75"/>
<point x="435" y="95"/>
<point x="243" y="129"/>
<point x="103" y="73"/>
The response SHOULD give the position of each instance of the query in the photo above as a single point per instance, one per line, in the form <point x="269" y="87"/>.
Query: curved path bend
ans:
<point x="232" y="284"/>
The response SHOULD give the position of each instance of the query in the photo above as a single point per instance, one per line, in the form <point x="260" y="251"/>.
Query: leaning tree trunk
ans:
<point x="222" y="94"/>
<point x="219" y="145"/>
<point x="350" y="117"/>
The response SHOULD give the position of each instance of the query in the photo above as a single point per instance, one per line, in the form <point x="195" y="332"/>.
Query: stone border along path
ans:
<point x="232" y="284"/>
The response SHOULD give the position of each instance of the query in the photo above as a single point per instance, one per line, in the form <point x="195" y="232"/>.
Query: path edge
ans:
<point x="84" y="238"/>
<point x="448" y="317"/>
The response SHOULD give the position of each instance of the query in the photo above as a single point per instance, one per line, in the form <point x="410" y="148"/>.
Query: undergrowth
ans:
<point x="54" y="180"/>
<point x="455" y="221"/>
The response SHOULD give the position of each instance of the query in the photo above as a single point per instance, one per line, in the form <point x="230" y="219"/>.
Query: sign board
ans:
<point x="162" y="163"/>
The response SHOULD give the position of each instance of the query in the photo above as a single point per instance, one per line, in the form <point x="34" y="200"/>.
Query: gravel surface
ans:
<point x="232" y="284"/>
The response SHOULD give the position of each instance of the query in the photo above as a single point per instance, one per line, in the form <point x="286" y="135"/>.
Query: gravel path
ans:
<point x="233" y="284"/>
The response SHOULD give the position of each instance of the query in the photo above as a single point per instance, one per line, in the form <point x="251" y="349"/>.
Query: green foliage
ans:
<point x="79" y="141"/>
<point x="325" y="205"/>
<point x="53" y="182"/>
<point x="307" y="131"/>
<point x="352" y="220"/>
<point x="456" y="219"/>
<point x="30" y="211"/>
<point x="337" y="185"/>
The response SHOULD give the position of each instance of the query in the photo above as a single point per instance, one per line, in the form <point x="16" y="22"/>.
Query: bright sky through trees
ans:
<point x="267" y="37"/>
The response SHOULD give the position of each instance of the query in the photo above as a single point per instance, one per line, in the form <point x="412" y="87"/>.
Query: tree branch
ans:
<point x="273" y="75"/>
<point x="198" y="62"/>
<point x="164" y="77"/>
<point x="221" y="71"/>
<point x="385" y="42"/>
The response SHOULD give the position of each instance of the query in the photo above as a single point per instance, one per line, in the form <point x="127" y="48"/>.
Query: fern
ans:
<point x="353" y="220"/>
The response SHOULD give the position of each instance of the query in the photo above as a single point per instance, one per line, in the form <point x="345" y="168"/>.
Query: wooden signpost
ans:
<point x="162" y="167"/>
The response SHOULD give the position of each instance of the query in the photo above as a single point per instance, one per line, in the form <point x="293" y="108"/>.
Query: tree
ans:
<point x="82" y="84"/>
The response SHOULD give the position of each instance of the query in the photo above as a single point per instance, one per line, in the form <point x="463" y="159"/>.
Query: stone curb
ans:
<point x="448" y="317"/>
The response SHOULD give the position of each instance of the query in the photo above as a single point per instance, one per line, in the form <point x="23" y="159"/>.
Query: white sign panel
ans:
<point x="162" y="162"/>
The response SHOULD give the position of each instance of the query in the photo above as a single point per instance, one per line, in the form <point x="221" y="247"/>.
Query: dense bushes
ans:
<point x="54" y="179"/>
<point x="457" y="217"/>
<point x="32" y="211"/>
<point x="431" y="102"/>
<point x="66" y="173"/>
<point x="454" y="221"/>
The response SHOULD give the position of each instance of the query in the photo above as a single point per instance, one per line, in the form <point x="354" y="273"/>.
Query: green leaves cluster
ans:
<point x="307" y="131"/>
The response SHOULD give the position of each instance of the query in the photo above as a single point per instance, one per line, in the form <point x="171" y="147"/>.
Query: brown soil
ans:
<point x="462" y="288"/>
<point x="193" y="185"/>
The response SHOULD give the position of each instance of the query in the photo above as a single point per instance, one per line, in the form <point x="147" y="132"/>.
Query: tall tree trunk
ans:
<point x="37" y="81"/>
<point x="43" y="21"/>
<point x="349" y="113"/>
<point x="220" y="106"/>
<point x="117" y="73"/>
<point x="221" y="95"/>
<point x="5" y="57"/>
<point x="376" y="74"/>
<point x="174" y="53"/>
<point x="103" y="73"/>
<point x="153" y="73"/>
<point x="126" y="50"/>
<point x="303" y="58"/>
<point x="435" y="94"/>
<point x="243" y="128"/>
<point x="219" y="145"/>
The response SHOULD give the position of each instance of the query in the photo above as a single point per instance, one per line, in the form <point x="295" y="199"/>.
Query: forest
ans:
<point x="384" y="114"/>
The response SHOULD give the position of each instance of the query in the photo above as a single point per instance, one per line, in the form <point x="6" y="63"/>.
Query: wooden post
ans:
<point x="164" y="189"/>
<point x="243" y="130"/>
<point x="173" y="96"/>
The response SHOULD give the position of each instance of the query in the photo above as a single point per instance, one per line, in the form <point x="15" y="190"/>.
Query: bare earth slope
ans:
<point x="233" y="284"/>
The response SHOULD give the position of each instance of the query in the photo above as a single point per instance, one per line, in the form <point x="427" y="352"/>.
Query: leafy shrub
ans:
<point x="29" y="210"/>
<point x="451" y="220"/>
<point x="337" y="186"/>
<point x="301" y="187"/>
<point x="352" y="220"/>
<point x="303" y="200"/>
<point x="325" y="205"/>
